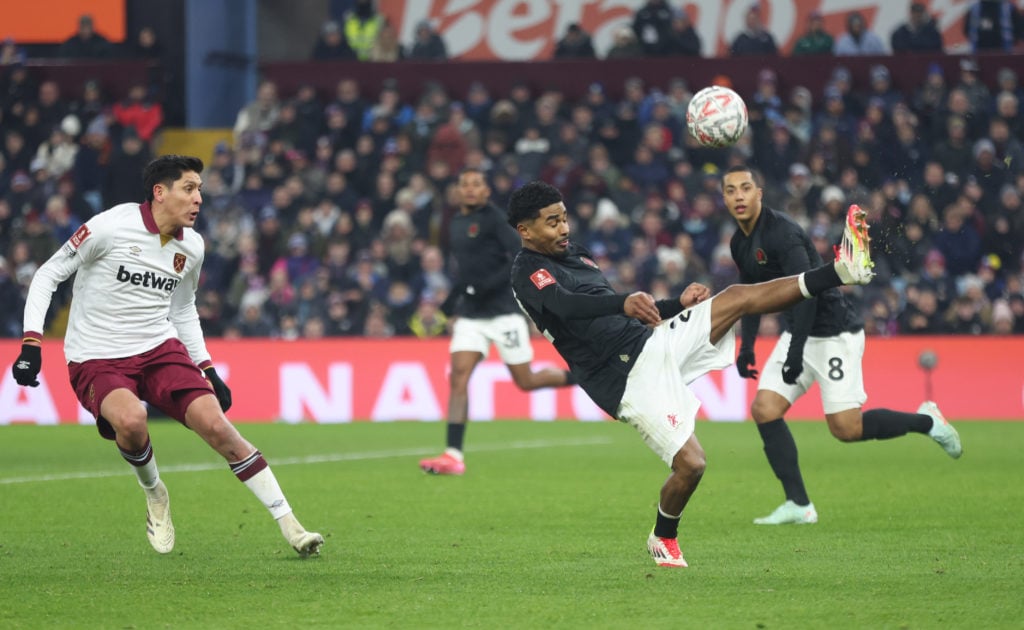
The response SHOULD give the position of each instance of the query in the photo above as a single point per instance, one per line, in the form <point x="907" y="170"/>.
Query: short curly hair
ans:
<point x="527" y="200"/>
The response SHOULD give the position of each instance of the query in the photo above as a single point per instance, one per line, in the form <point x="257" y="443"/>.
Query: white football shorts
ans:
<point x="658" y="401"/>
<point x="834" y="362"/>
<point x="510" y="333"/>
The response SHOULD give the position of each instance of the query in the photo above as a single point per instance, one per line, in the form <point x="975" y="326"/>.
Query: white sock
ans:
<point x="264" y="485"/>
<point x="454" y="452"/>
<point x="147" y="474"/>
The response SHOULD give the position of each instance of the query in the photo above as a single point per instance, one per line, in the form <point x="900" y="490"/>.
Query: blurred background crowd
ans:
<point x="327" y="213"/>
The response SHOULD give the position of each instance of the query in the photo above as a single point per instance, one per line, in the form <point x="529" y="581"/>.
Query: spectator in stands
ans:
<point x="12" y="300"/>
<point x="127" y="160"/>
<point x="652" y="24"/>
<point x="51" y="108"/>
<point x="930" y="97"/>
<point x="362" y="24"/>
<point x="428" y="44"/>
<point x="387" y="48"/>
<point x="575" y="44"/>
<point x="1007" y="81"/>
<point x="858" y="39"/>
<point x="958" y="242"/>
<point x="755" y="39"/>
<point x="976" y="91"/>
<point x="56" y="156"/>
<point x="331" y="44"/>
<point x="918" y="33"/>
<point x="146" y="45"/>
<point x="816" y="40"/>
<point x="17" y="154"/>
<point x="683" y="40"/>
<point x="882" y="88"/>
<point x="993" y="25"/>
<point x="10" y="54"/>
<point x="86" y="42"/>
<point x="921" y="316"/>
<point x="954" y="151"/>
<point x="624" y="45"/>
<point x="260" y="115"/>
<point x="17" y="88"/>
<point x="138" y="112"/>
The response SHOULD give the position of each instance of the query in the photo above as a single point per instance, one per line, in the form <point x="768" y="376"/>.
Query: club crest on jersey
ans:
<point x="541" y="278"/>
<point x="473" y="231"/>
<point x="179" y="263"/>
<point x="589" y="262"/>
<point x="762" y="258"/>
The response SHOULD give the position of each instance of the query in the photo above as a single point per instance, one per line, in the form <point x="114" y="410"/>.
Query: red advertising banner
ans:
<point x="405" y="379"/>
<point x="528" y="29"/>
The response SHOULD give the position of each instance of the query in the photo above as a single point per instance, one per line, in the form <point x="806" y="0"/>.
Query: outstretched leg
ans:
<point x="205" y="417"/>
<point x="852" y="266"/>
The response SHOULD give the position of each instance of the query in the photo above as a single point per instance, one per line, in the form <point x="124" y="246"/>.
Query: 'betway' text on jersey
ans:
<point x="131" y="291"/>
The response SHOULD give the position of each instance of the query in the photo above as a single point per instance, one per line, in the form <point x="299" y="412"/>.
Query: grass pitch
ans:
<point x="546" y="530"/>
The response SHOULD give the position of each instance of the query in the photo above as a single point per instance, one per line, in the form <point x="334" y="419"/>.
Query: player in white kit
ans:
<point x="134" y="335"/>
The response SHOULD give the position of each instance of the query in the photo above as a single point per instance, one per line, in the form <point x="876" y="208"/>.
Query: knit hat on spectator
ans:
<point x="990" y="262"/>
<point x="968" y="65"/>
<point x="879" y="73"/>
<point x="982" y="146"/>
<point x="20" y="179"/>
<point x="832" y="193"/>
<point x="934" y="256"/>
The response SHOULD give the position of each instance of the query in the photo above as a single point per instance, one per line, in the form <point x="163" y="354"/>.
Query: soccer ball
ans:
<point x="716" y="117"/>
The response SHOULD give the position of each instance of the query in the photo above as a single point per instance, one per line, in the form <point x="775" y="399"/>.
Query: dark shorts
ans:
<point x="165" y="377"/>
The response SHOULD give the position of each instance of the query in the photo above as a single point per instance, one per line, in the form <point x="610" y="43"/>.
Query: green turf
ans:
<point x="547" y="530"/>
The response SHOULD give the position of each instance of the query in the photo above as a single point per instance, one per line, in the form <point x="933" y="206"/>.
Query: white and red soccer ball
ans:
<point x="716" y="117"/>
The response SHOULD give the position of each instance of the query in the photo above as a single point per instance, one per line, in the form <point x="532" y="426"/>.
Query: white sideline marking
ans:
<point x="312" y="459"/>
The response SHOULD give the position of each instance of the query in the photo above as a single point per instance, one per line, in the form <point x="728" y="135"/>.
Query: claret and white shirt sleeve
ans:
<point x="131" y="291"/>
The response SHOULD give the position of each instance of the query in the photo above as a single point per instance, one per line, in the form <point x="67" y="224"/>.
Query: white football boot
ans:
<point x="159" y="528"/>
<point x="942" y="431"/>
<point x="790" y="513"/>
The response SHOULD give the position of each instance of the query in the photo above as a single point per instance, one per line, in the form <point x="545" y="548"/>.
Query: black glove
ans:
<point x="27" y="367"/>
<point x="220" y="389"/>
<point x="448" y="306"/>
<point x="792" y="368"/>
<point x="745" y="363"/>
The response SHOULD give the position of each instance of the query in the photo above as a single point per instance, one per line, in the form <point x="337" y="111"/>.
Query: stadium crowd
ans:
<point x="327" y="214"/>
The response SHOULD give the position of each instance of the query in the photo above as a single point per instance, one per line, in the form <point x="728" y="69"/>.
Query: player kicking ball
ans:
<point x="133" y="335"/>
<point x="635" y="356"/>
<point x="823" y="343"/>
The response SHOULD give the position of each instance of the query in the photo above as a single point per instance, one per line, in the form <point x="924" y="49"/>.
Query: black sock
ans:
<point x="882" y="424"/>
<point x="666" y="526"/>
<point x="822" y="278"/>
<point x="570" y="379"/>
<point x="780" y="448"/>
<point x="456" y="434"/>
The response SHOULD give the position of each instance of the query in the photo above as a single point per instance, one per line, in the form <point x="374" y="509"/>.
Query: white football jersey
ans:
<point x="131" y="293"/>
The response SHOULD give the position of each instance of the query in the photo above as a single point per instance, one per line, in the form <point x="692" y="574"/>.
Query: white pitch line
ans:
<point x="313" y="459"/>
